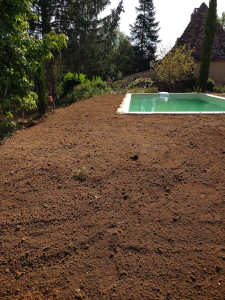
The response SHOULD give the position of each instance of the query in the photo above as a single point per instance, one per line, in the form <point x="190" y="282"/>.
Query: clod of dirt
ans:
<point x="134" y="158"/>
<point x="46" y="248"/>
<point x="78" y="294"/>
<point x="193" y="279"/>
<point x="218" y="269"/>
<point x="123" y="273"/>
<point x="18" y="274"/>
<point x="18" y="228"/>
<point x="159" y="251"/>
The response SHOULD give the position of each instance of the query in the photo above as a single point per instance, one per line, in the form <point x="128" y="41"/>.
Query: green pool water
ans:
<point x="175" y="103"/>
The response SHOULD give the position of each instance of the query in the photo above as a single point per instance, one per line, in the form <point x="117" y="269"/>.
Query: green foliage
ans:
<point x="143" y="90"/>
<point x="21" y="55"/>
<point x="89" y="89"/>
<point x="48" y="16"/>
<point x="14" y="48"/>
<point x="176" y="66"/>
<point x="6" y="129"/>
<point x="90" y="38"/>
<point x="99" y="84"/>
<point x="86" y="89"/>
<point x="141" y="83"/>
<point x="118" y="87"/>
<point x="28" y="103"/>
<point x="144" y="35"/>
<point x="70" y="80"/>
<point x="121" y="58"/>
<point x="152" y="89"/>
<point x="222" y="20"/>
<point x="219" y="89"/>
<point x="207" y="43"/>
<point x="188" y="86"/>
<point x="41" y="89"/>
<point x="83" y="91"/>
<point x="210" y="84"/>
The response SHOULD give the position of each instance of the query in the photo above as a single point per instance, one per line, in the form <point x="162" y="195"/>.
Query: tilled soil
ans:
<point x="96" y="205"/>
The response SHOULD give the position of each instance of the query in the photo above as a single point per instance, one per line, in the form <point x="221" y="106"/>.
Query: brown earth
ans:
<point x="96" y="205"/>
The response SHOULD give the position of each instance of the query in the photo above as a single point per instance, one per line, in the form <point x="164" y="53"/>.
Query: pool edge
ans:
<point x="124" y="106"/>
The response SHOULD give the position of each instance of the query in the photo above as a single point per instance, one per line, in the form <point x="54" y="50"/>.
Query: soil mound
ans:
<point x="96" y="205"/>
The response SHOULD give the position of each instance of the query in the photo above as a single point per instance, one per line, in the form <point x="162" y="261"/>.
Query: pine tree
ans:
<point x="144" y="35"/>
<point x="207" y="43"/>
<point x="49" y="14"/>
<point x="90" y="38"/>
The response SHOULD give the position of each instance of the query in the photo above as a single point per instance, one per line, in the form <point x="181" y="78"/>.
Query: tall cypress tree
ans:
<point x="207" y="43"/>
<point x="144" y="35"/>
<point x="41" y="89"/>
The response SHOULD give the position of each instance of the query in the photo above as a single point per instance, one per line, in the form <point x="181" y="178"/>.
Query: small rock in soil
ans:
<point x="218" y="269"/>
<point x="135" y="157"/>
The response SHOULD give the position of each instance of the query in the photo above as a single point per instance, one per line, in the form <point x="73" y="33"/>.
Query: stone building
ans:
<point x="193" y="36"/>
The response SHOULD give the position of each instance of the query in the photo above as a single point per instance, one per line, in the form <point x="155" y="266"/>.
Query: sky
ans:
<point x="173" y="16"/>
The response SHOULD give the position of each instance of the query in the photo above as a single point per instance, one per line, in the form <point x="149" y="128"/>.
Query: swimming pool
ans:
<point x="164" y="103"/>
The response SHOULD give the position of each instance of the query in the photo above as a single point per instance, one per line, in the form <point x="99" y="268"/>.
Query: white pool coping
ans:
<point x="125" y="105"/>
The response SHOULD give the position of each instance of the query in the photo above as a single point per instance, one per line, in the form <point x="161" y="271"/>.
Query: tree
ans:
<point x="222" y="20"/>
<point x="90" y="38"/>
<point x="21" y="55"/>
<point x="144" y="35"/>
<point x="122" y="57"/>
<point x="175" y="66"/>
<point x="42" y="52"/>
<point x="14" y="47"/>
<point x="49" y="15"/>
<point x="207" y="43"/>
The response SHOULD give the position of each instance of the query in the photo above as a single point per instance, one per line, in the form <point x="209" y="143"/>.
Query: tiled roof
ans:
<point x="193" y="35"/>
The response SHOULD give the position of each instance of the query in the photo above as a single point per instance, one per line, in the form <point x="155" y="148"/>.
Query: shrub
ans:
<point x="98" y="83"/>
<point x="70" y="80"/>
<point x="136" y="90"/>
<point x="175" y="67"/>
<point x="7" y="127"/>
<point x="210" y="85"/>
<point x="84" y="90"/>
<point x="219" y="89"/>
<point x="152" y="90"/>
<point x="143" y="90"/>
<point x="141" y="83"/>
<point x="191" y="84"/>
<point x="89" y="89"/>
<point x="118" y="87"/>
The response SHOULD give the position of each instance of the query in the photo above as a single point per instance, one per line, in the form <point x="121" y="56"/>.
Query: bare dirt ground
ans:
<point x="96" y="205"/>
